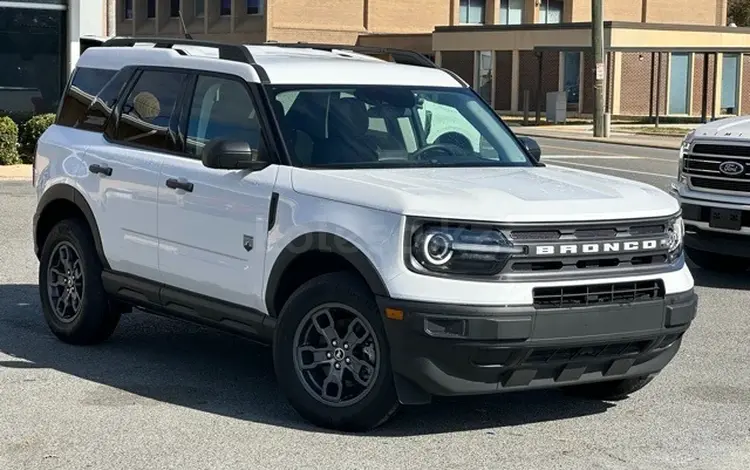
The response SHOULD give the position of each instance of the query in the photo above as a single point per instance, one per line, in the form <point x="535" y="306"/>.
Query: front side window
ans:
<point x="147" y="111"/>
<point x="221" y="108"/>
<point x="471" y="11"/>
<point x="384" y="126"/>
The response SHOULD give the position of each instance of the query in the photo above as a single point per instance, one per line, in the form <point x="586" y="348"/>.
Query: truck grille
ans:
<point x="588" y="249"/>
<point x="704" y="162"/>
<point x="597" y="294"/>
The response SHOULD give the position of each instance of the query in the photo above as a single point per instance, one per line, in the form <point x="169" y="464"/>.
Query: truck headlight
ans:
<point x="460" y="250"/>
<point x="675" y="235"/>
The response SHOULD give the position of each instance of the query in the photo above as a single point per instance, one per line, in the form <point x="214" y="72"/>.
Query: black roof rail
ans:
<point x="401" y="56"/>
<point x="235" y="52"/>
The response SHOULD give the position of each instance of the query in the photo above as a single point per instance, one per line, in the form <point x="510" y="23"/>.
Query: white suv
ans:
<point x="299" y="195"/>
<point x="713" y="187"/>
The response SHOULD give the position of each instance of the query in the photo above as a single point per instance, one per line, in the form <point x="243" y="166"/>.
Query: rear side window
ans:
<point x="149" y="108"/>
<point x="86" y="84"/>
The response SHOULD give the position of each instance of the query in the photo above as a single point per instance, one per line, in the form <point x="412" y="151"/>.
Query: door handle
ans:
<point x="102" y="170"/>
<point x="174" y="183"/>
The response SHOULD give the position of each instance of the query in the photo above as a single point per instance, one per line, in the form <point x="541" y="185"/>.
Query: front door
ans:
<point x="213" y="223"/>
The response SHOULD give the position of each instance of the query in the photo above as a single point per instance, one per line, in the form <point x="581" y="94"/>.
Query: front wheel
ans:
<point x="717" y="262"/>
<point x="331" y="357"/>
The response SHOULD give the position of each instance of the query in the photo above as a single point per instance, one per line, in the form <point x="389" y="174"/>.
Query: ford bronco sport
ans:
<point x="316" y="198"/>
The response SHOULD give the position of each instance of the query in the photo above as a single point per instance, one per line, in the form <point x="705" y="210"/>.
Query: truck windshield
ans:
<point x="386" y="126"/>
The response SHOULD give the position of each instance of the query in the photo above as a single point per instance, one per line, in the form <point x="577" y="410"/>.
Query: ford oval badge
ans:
<point x="732" y="168"/>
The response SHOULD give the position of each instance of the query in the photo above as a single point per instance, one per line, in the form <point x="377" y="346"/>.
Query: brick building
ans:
<point x="499" y="48"/>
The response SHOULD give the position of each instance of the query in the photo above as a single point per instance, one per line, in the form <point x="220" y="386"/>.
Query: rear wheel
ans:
<point x="718" y="262"/>
<point x="331" y="357"/>
<point x="75" y="305"/>
<point x="612" y="390"/>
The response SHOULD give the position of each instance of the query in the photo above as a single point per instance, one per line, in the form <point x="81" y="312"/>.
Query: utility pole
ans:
<point x="597" y="42"/>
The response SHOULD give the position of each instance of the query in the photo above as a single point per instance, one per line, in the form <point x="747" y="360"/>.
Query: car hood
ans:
<point x="529" y="194"/>
<point x="733" y="128"/>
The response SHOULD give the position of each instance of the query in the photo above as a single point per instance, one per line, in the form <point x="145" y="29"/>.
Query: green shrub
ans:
<point x="29" y="133"/>
<point x="8" y="141"/>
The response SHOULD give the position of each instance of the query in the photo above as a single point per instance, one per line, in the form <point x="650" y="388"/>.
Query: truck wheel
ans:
<point x="718" y="262"/>
<point x="331" y="356"/>
<point x="74" y="302"/>
<point x="611" y="390"/>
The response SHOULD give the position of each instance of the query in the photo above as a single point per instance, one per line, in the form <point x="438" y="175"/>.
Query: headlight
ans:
<point x="675" y="235"/>
<point x="684" y="147"/>
<point x="461" y="250"/>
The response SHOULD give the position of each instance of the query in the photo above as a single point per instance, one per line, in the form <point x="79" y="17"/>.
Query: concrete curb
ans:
<point x="15" y="173"/>
<point x="611" y="140"/>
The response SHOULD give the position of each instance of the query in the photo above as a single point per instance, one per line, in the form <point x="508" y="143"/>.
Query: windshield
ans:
<point x="391" y="126"/>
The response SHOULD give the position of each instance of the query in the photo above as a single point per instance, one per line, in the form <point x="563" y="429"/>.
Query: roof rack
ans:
<point x="401" y="56"/>
<point x="235" y="52"/>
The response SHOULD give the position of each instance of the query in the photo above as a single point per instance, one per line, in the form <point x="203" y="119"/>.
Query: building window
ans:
<point x="151" y="9"/>
<point x="254" y="7"/>
<point x="174" y="8"/>
<point x="471" y="12"/>
<point x="225" y="9"/>
<point x="199" y="7"/>
<point x="127" y="6"/>
<point x="511" y="11"/>
<point x="729" y="80"/>
<point x="572" y="76"/>
<point x="33" y="51"/>
<point x="550" y="11"/>
<point x="483" y="72"/>
<point x="679" y="83"/>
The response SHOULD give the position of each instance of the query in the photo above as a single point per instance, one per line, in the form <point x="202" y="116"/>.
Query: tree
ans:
<point x="738" y="12"/>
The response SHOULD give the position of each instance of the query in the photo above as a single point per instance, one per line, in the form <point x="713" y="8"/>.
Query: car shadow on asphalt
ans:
<point x="705" y="278"/>
<point x="170" y="361"/>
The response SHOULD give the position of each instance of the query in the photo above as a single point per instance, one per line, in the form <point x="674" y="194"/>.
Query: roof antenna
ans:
<point x="187" y="35"/>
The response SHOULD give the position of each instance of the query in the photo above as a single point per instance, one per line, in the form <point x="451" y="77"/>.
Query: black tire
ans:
<point x="611" y="390"/>
<point x="718" y="262"/>
<point x="96" y="319"/>
<point x="377" y="404"/>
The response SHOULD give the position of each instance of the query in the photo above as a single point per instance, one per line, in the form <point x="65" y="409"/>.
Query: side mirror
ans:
<point x="532" y="147"/>
<point x="233" y="155"/>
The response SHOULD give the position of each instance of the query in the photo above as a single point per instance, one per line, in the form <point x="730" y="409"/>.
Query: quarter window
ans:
<point x="221" y="108"/>
<point x="86" y="84"/>
<point x="148" y="110"/>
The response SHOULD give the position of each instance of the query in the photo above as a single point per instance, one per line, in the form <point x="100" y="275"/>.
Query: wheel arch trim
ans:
<point x="327" y="243"/>
<point x="66" y="192"/>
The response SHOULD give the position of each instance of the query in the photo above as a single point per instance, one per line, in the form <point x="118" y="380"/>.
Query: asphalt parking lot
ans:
<point x="163" y="394"/>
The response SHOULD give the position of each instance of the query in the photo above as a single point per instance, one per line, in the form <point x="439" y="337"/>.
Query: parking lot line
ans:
<point x="600" y="167"/>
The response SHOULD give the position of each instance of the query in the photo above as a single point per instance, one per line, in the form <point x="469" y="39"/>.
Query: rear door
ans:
<point x="129" y="157"/>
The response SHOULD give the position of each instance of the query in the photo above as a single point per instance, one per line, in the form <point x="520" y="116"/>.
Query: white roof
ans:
<point x="283" y="65"/>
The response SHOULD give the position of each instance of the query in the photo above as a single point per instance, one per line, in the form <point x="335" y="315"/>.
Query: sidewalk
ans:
<point x="584" y="133"/>
<point x="15" y="172"/>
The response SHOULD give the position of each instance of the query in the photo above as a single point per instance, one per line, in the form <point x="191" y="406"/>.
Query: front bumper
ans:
<point x="696" y="213"/>
<point x="462" y="350"/>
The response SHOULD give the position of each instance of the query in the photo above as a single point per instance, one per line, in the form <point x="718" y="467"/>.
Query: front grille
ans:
<point x="580" y="249"/>
<point x="703" y="165"/>
<point x="597" y="294"/>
